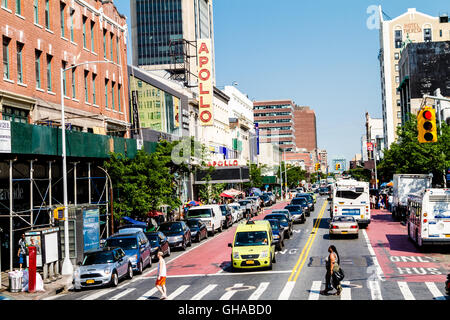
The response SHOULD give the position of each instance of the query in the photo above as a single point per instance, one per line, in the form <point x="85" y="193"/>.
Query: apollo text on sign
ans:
<point x="205" y="86"/>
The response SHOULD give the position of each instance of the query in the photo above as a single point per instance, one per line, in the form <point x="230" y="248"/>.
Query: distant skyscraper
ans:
<point x="159" y="28"/>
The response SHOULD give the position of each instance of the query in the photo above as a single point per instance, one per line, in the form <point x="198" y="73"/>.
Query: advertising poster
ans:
<point x="91" y="229"/>
<point x="5" y="136"/>
<point x="33" y="238"/>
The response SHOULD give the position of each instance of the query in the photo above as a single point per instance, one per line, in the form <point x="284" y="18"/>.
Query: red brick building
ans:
<point x="39" y="37"/>
<point x="276" y="122"/>
<point x="305" y="128"/>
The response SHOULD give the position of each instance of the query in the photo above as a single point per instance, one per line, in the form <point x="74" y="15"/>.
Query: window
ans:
<point x="72" y="13"/>
<point x="106" y="93"/>
<point x="117" y="50"/>
<point x="113" y="95"/>
<point x="397" y="68"/>
<point x="398" y="103"/>
<point x="94" y="100"/>
<point x="64" y="79"/>
<point x="84" y="33"/>
<point x="396" y="56"/>
<point x="19" y="63"/>
<point x="47" y="14"/>
<point x="398" y="39"/>
<point x="104" y="44"/>
<point x="92" y="36"/>
<point x="5" y="3"/>
<point x="118" y="97"/>
<point x="36" y="11"/>
<point x="49" y="72"/>
<point x="427" y="35"/>
<point x="74" y="92"/>
<point x="397" y="79"/>
<point x="399" y="114"/>
<point x="86" y="93"/>
<point x="62" y="17"/>
<point x="37" y="67"/>
<point x="6" y="58"/>
<point x="19" y="7"/>
<point x="111" y="47"/>
<point x="15" y="114"/>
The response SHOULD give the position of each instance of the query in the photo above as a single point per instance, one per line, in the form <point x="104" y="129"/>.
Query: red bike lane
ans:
<point x="211" y="256"/>
<point x="399" y="258"/>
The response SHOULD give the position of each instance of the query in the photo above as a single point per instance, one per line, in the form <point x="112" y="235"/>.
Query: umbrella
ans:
<point x="193" y="203"/>
<point x="154" y="213"/>
<point x="390" y="184"/>
<point x="134" y="221"/>
<point x="225" y="195"/>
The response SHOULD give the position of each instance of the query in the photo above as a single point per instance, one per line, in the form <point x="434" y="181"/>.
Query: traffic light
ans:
<point x="317" y="166"/>
<point x="338" y="166"/>
<point x="58" y="213"/>
<point x="426" y="125"/>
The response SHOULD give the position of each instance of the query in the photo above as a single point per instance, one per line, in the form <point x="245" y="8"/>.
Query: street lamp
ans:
<point x="67" y="267"/>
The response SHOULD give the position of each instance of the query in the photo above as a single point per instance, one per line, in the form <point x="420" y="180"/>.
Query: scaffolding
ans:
<point x="181" y="52"/>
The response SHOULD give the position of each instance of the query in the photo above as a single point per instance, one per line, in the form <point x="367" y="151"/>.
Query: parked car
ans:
<point x="343" y="225"/>
<point x="142" y="227"/>
<point x="296" y="212"/>
<point x="278" y="233"/>
<point x="198" y="229"/>
<point x="272" y="196"/>
<point x="105" y="266"/>
<point x="178" y="234"/>
<point x="211" y="215"/>
<point x="284" y="221"/>
<point x="447" y="285"/>
<point x="158" y="241"/>
<point x="236" y="211"/>
<point x="135" y="245"/>
<point x="304" y="203"/>
<point x="227" y="217"/>
<point x="266" y="202"/>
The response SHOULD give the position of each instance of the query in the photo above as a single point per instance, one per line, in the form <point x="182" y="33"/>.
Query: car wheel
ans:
<point x="168" y="251"/>
<point x="287" y="235"/>
<point x="114" y="279"/>
<point x="140" y="267"/>
<point x="184" y="245"/>
<point x="130" y="272"/>
<point x="206" y="234"/>
<point x="274" y="259"/>
<point x="190" y="242"/>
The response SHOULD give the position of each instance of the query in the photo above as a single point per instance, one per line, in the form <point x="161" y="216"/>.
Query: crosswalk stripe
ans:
<point x="122" y="294"/>
<point x="407" y="294"/>
<point x="148" y="294"/>
<point x="284" y="295"/>
<point x="204" y="292"/>
<point x="314" y="292"/>
<point x="259" y="291"/>
<point x="227" y="295"/>
<point x="346" y="293"/>
<point x="98" y="294"/>
<point x="177" y="292"/>
<point x="435" y="291"/>
<point x="375" y="290"/>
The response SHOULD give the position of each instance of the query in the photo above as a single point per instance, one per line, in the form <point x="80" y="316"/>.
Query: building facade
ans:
<point x="39" y="38"/>
<point x="164" y="35"/>
<point x="412" y="26"/>
<point x="305" y="128"/>
<point x="276" y="122"/>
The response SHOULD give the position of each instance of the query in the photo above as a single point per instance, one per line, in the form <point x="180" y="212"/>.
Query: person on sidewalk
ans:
<point x="332" y="265"/>
<point x="22" y="251"/>
<point x="161" y="276"/>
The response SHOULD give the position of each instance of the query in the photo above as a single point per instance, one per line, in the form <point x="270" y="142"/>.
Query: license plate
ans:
<point x="447" y="235"/>
<point x="90" y="281"/>
<point x="250" y="262"/>
<point x="344" y="231"/>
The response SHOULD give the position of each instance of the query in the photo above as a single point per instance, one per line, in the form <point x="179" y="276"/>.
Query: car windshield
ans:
<point x="124" y="243"/>
<point x="251" y="238"/>
<point x="279" y="217"/>
<point x="170" y="227"/>
<point x="343" y="219"/>
<point x="299" y="201"/>
<point x="199" y="213"/>
<point x="98" y="258"/>
<point x="153" y="238"/>
<point x="294" y="208"/>
<point x="192" y="223"/>
<point x="244" y="203"/>
<point x="274" y="224"/>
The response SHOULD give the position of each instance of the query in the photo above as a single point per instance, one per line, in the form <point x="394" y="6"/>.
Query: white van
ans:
<point x="211" y="215"/>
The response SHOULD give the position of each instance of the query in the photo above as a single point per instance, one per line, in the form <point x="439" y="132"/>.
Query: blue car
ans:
<point x="309" y="197"/>
<point x="284" y="222"/>
<point x="296" y="213"/>
<point x="277" y="232"/>
<point x="303" y="202"/>
<point x="135" y="245"/>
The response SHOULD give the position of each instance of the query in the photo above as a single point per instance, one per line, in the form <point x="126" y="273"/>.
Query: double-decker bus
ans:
<point x="428" y="217"/>
<point x="351" y="198"/>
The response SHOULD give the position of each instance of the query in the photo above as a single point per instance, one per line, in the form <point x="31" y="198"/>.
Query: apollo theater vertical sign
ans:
<point x="205" y="84"/>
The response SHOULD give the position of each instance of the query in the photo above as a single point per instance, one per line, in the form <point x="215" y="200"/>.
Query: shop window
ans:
<point x="15" y="114"/>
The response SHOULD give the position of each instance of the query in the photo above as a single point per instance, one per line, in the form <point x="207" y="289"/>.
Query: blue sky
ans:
<point x="318" y="53"/>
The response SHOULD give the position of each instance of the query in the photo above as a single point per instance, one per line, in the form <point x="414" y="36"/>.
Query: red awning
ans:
<point x="225" y="195"/>
<point x="154" y="213"/>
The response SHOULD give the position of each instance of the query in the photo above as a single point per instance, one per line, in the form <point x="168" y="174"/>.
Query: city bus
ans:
<point x="428" y="217"/>
<point x="351" y="198"/>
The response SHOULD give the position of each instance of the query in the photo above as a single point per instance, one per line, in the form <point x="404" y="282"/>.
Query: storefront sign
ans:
<point x="224" y="163"/>
<point x="5" y="136"/>
<point x="205" y="86"/>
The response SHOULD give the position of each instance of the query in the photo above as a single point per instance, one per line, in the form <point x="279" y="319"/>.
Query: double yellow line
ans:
<point x="303" y="256"/>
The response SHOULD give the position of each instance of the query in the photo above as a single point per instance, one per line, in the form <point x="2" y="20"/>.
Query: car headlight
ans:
<point x="275" y="236"/>
<point x="76" y="273"/>
<point x="107" y="271"/>
<point x="264" y="254"/>
<point x="178" y="238"/>
<point x="133" y="258"/>
<point x="235" y="255"/>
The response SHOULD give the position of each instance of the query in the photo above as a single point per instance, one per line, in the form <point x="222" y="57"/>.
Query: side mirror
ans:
<point x="230" y="245"/>
<point x="79" y="263"/>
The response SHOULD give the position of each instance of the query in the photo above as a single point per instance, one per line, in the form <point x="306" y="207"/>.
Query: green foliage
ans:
<point x="294" y="175"/>
<point x="256" y="177"/>
<point x="410" y="156"/>
<point x="146" y="182"/>
<point x="360" y="174"/>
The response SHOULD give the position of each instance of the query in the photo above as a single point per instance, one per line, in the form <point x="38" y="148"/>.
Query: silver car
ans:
<point x="102" y="267"/>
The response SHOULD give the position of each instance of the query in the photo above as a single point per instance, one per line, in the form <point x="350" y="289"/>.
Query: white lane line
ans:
<point x="379" y="272"/>
<point x="375" y="291"/>
<point x="227" y="295"/>
<point x="435" y="291"/>
<point x="346" y="293"/>
<point x="177" y="292"/>
<point x="259" y="291"/>
<point x="122" y="294"/>
<point x="407" y="294"/>
<point x="98" y="294"/>
<point x="314" y="292"/>
<point x="148" y="294"/>
<point x="204" y="292"/>
<point x="284" y="295"/>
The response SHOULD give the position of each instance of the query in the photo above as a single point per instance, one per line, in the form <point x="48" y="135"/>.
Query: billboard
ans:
<point x="91" y="229"/>
<point x="205" y="84"/>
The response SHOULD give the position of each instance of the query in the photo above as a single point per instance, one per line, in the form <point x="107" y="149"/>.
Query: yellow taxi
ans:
<point x="253" y="245"/>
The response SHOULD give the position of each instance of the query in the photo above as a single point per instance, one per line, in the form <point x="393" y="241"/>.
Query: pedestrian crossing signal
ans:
<point x="426" y="125"/>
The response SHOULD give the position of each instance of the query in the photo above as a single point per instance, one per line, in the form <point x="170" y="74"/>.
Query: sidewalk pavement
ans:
<point x="52" y="288"/>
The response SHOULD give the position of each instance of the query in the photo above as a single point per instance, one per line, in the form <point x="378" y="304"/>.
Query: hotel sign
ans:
<point x="412" y="28"/>
<point x="205" y="85"/>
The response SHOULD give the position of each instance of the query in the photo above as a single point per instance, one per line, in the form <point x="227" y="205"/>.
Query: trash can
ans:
<point x="15" y="281"/>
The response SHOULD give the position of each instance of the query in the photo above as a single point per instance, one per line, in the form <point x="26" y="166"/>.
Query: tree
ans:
<point x="410" y="156"/>
<point x="360" y="174"/>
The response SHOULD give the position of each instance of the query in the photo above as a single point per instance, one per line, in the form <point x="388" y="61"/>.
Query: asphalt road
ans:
<point x="203" y="271"/>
